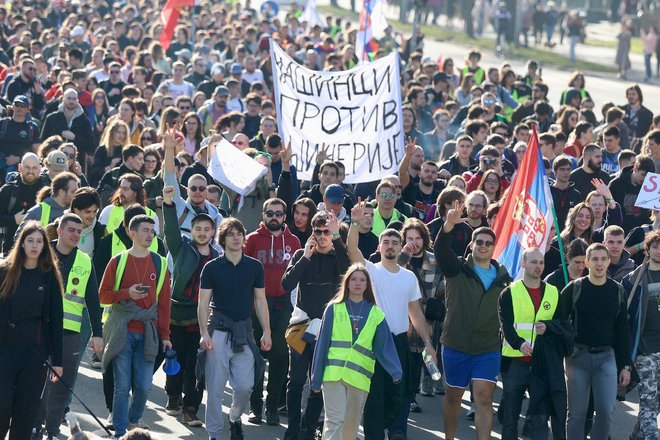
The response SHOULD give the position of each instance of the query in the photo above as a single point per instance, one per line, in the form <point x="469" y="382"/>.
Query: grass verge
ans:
<point x="636" y="45"/>
<point x="545" y="57"/>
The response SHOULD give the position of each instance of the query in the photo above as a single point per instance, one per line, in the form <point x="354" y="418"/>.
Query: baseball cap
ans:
<point x="217" y="68"/>
<point x="57" y="161"/>
<point x="21" y="99"/>
<point x="221" y="91"/>
<point x="335" y="193"/>
<point x="78" y="31"/>
<point x="202" y="216"/>
<point x="184" y="53"/>
<point x="236" y="68"/>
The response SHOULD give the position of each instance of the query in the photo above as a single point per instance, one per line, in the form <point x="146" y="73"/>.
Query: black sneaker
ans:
<point x="414" y="407"/>
<point x="190" y="418"/>
<point x="37" y="433"/>
<point x="235" y="430"/>
<point x="173" y="407"/>
<point x="272" y="418"/>
<point x="255" y="418"/>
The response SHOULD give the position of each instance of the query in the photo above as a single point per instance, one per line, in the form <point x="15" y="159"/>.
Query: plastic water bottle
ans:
<point x="434" y="372"/>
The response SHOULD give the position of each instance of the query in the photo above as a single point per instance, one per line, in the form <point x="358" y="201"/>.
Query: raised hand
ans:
<point x="333" y="223"/>
<point x="170" y="140"/>
<point x="357" y="213"/>
<point x="411" y="146"/>
<point x="602" y="188"/>
<point x="286" y="154"/>
<point x="322" y="153"/>
<point x="455" y="214"/>
<point x="409" y="248"/>
<point x="168" y="194"/>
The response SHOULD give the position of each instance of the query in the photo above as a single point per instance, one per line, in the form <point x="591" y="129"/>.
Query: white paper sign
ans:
<point x="235" y="169"/>
<point x="649" y="195"/>
<point x="356" y="113"/>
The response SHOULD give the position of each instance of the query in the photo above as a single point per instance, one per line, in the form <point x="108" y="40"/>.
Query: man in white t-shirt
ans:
<point x="250" y="72"/>
<point x="398" y="295"/>
<point x="177" y="86"/>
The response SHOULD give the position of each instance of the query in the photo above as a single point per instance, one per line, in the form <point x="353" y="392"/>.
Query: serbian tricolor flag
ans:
<point x="372" y="25"/>
<point x="525" y="218"/>
<point x="169" y="17"/>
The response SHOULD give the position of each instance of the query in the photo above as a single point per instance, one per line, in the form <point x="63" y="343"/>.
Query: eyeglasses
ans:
<point x="386" y="196"/>
<point x="489" y="101"/>
<point x="195" y="188"/>
<point x="18" y="105"/>
<point x="480" y="242"/>
<point x="277" y="214"/>
<point x="492" y="181"/>
<point x="320" y="232"/>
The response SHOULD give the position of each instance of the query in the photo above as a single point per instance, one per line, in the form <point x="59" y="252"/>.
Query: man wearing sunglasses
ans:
<point x="27" y="84"/>
<point x="196" y="202"/>
<point x="18" y="132"/>
<point x="113" y="85"/>
<point x="470" y="332"/>
<point x="273" y="244"/>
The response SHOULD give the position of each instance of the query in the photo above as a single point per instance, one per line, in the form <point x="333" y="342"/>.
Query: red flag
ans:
<point x="169" y="17"/>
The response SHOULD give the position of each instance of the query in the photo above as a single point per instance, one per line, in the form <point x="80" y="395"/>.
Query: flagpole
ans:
<point x="559" y="242"/>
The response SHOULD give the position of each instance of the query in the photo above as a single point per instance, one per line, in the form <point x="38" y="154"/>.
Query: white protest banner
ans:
<point x="649" y="195"/>
<point x="235" y="169"/>
<point x="355" y="113"/>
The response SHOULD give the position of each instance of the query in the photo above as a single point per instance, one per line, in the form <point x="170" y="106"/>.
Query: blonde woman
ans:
<point x="108" y="154"/>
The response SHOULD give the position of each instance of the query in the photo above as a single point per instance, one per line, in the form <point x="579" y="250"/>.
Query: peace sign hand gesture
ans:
<point x="357" y="213"/>
<point x="411" y="146"/>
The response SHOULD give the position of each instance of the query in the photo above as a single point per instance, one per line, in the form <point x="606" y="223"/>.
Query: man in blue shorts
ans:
<point x="470" y="332"/>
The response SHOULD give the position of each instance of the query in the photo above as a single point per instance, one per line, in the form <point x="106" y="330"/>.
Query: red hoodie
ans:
<point x="274" y="253"/>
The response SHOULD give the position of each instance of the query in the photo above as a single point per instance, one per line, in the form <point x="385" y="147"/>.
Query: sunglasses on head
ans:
<point x="319" y="232"/>
<point x="277" y="214"/>
<point x="480" y="242"/>
<point x="195" y="188"/>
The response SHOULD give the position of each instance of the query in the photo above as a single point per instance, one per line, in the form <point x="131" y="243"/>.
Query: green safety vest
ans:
<point x="73" y="303"/>
<point x="479" y="74"/>
<point x="379" y="225"/>
<point x="508" y="111"/>
<point x="122" y="258"/>
<point x="45" y="214"/>
<point x="119" y="246"/>
<point x="351" y="362"/>
<point x="562" y="101"/>
<point x="524" y="316"/>
<point x="116" y="217"/>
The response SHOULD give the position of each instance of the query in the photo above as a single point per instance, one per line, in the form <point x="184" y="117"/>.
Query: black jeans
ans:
<point x="278" y="356"/>
<point x="386" y="400"/>
<point x="22" y="379"/>
<point x="56" y="395"/>
<point x="299" y="370"/>
<point x="186" y="344"/>
<point x="515" y="382"/>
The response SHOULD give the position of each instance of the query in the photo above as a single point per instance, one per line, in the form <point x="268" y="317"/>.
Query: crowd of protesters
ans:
<point x="117" y="236"/>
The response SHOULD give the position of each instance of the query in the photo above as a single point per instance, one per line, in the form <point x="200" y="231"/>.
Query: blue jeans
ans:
<point x="647" y="64"/>
<point x="130" y="367"/>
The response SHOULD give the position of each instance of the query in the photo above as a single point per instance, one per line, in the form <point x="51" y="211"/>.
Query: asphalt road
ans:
<point x="426" y="425"/>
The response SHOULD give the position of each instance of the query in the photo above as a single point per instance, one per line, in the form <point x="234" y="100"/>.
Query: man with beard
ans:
<point x="643" y="314"/>
<point x="26" y="84"/>
<point x="272" y="244"/>
<point x="398" y="295"/>
<point x="638" y="118"/>
<point x="70" y="122"/>
<point x="18" y="196"/>
<point x="189" y="257"/>
<point x="422" y="194"/>
<point x="470" y="333"/>
<point x="130" y="191"/>
<point x="476" y="204"/>
<point x="591" y="162"/>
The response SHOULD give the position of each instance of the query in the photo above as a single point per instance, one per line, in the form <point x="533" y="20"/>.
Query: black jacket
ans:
<point x="55" y="124"/>
<point x="15" y="197"/>
<point x="547" y="386"/>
